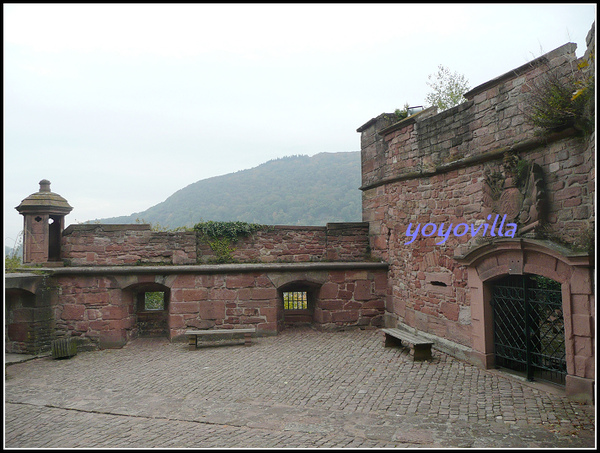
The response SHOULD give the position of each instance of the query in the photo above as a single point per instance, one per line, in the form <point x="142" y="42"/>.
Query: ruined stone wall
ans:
<point x="439" y="168"/>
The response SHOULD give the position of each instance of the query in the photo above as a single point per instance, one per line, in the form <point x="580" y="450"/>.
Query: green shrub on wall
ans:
<point x="556" y="103"/>
<point x="221" y="235"/>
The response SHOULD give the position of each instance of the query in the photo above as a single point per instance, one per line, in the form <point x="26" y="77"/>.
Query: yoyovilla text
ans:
<point x="429" y="229"/>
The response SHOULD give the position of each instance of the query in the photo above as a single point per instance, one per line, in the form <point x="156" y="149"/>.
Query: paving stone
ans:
<point x="299" y="389"/>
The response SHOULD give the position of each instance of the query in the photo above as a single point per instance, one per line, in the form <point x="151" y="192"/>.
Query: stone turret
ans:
<point x="44" y="220"/>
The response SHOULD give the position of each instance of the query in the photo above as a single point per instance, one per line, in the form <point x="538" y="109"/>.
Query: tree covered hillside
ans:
<point x="296" y="190"/>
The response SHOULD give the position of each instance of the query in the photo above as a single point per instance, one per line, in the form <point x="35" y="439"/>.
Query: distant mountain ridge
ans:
<point x="294" y="190"/>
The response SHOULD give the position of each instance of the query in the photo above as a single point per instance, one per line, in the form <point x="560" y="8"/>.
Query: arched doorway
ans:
<point x="529" y="330"/>
<point x="489" y="264"/>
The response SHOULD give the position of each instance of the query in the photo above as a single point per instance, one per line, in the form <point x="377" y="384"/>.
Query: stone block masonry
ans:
<point x="111" y="245"/>
<point x="100" y="306"/>
<point x="298" y="244"/>
<point x="434" y="168"/>
<point x="115" y="245"/>
<point x="461" y="166"/>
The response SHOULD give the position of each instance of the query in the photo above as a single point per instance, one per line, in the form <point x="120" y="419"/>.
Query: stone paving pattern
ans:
<point x="301" y="388"/>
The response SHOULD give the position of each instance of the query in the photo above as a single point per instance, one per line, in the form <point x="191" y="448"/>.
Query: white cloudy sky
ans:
<point x="119" y="106"/>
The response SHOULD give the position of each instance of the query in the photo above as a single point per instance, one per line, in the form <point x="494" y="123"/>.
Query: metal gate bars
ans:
<point x="529" y="333"/>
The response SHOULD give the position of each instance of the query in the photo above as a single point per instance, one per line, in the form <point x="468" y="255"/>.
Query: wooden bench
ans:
<point x="216" y="334"/>
<point x="420" y="348"/>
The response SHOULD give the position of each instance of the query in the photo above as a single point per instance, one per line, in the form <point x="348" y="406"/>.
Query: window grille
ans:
<point x="295" y="300"/>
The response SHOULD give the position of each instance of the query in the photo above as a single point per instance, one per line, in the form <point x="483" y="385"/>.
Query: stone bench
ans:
<point x="217" y="334"/>
<point x="420" y="348"/>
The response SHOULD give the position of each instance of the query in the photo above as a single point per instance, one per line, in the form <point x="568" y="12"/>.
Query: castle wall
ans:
<point x="461" y="166"/>
<point x="99" y="306"/>
<point x="435" y="169"/>
<point x="115" y="245"/>
<point x="110" y="245"/>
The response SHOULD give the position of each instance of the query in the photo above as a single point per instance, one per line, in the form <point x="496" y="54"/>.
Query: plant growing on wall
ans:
<point x="557" y="102"/>
<point x="402" y="114"/>
<point x="221" y="235"/>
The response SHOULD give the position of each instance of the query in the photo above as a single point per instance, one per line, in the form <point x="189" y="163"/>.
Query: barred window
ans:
<point x="295" y="300"/>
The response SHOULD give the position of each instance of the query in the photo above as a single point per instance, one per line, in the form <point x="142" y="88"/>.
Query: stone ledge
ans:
<point x="213" y="268"/>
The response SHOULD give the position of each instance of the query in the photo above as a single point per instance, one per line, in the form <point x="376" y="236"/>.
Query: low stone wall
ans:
<point x="299" y="244"/>
<point x="114" y="245"/>
<point x="100" y="305"/>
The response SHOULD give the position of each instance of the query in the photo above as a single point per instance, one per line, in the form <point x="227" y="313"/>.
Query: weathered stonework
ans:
<point x="436" y="168"/>
<point x="99" y="305"/>
<point x="463" y="165"/>
<point x="115" y="245"/>
<point x="298" y="244"/>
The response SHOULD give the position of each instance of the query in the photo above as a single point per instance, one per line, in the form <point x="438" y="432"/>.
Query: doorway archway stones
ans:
<point x="574" y="270"/>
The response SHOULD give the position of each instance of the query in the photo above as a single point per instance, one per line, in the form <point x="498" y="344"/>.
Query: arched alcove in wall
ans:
<point x="148" y="305"/>
<point x="297" y="301"/>
<point x="491" y="262"/>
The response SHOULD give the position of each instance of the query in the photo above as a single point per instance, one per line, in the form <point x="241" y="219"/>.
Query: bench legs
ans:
<point x="421" y="352"/>
<point x="192" y="342"/>
<point x="418" y="352"/>
<point x="389" y="340"/>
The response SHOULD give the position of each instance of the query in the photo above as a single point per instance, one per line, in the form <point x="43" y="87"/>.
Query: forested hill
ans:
<point x="296" y="190"/>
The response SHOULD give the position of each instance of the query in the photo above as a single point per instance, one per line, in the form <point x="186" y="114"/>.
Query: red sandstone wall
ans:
<point x="334" y="242"/>
<point x="101" y="310"/>
<point x="110" y="245"/>
<point x="431" y="169"/>
<point x="279" y="244"/>
<point x="491" y="119"/>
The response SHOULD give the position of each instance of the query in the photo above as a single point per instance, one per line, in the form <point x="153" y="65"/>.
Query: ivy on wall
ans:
<point x="221" y="235"/>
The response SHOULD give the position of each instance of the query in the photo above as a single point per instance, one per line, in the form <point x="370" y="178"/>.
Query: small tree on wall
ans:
<point x="447" y="88"/>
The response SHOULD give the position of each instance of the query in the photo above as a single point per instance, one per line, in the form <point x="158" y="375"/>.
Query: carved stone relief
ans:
<point x="517" y="192"/>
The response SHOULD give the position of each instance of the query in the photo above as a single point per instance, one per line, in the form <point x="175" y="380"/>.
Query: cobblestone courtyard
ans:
<point x="302" y="388"/>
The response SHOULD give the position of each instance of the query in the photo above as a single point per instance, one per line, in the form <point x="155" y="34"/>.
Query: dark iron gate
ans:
<point x="529" y="332"/>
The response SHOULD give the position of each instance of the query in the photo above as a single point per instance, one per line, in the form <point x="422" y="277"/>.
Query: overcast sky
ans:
<point x="119" y="106"/>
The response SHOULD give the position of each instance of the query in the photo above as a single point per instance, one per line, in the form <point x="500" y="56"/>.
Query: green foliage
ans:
<point x="296" y="190"/>
<point x="221" y="235"/>
<point x="223" y="250"/>
<point x="154" y="300"/>
<point x="447" y="88"/>
<point x="557" y="102"/>
<point x="229" y="230"/>
<point x="542" y="282"/>
<point x="402" y="114"/>
<point x="11" y="263"/>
